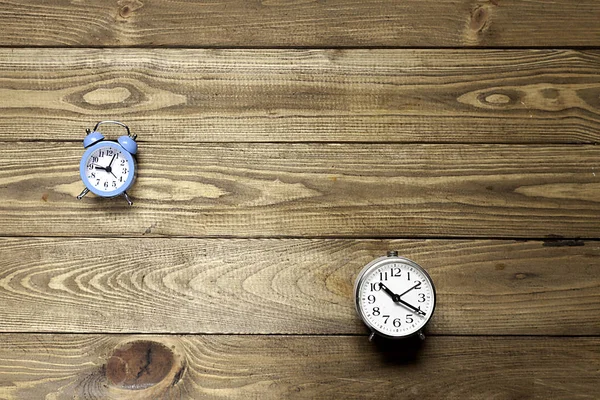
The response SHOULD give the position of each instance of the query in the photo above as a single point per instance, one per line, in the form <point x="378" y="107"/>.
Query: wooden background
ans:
<point x="283" y="145"/>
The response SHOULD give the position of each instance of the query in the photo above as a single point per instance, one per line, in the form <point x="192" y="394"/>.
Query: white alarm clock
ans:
<point x="108" y="168"/>
<point x="394" y="297"/>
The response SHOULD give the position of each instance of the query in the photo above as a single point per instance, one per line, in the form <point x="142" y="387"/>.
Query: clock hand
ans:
<point x="111" y="161"/>
<point x="394" y="296"/>
<point x="409" y="289"/>
<point x="107" y="169"/>
<point x="397" y="299"/>
<point x="415" y="309"/>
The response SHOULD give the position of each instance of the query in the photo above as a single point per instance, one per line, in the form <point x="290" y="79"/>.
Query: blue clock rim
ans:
<point x="87" y="183"/>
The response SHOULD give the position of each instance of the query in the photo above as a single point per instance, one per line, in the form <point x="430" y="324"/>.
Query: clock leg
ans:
<point x="371" y="336"/>
<point x="83" y="193"/>
<point x="127" y="198"/>
<point x="421" y="335"/>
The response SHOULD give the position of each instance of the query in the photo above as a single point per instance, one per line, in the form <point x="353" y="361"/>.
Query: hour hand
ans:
<point x="394" y="296"/>
<point x="99" y="167"/>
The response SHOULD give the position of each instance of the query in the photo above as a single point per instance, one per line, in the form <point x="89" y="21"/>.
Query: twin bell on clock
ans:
<point x="108" y="168"/>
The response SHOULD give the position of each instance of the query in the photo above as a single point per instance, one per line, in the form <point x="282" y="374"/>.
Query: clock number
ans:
<point x="418" y="283"/>
<point x="101" y="153"/>
<point x="421" y="297"/>
<point x="375" y="287"/>
<point x="124" y="170"/>
<point x="386" y="318"/>
<point x="97" y="182"/>
<point x="90" y="166"/>
<point x="383" y="276"/>
<point x="93" y="174"/>
<point x="106" y="184"/>
<point x="376" y="311"/>
<point x="109" y="152"/>
<point x="371" y="299"/>
<point x="408" y="275"/>
<point x="114" y="184"/>
<point x="122" y="161"/>
<point x="120" y="179"/>
<point x="409" y="319"/>
<point x="396" y="322"/>
<point x="94" y="160"/>
<point x="395" y="272"/>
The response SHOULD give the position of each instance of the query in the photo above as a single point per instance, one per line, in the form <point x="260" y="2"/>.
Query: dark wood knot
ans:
<point x="480" y="18"/>
<point x="127" y="7"/>
<point x="139" y="365"/>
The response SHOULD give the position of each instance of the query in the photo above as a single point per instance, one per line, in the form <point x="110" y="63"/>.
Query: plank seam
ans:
<point x="155" y="143"/>
<point x="370" y="47"/>
<point x="366" y="336"/>
<point x="552" y="239"/>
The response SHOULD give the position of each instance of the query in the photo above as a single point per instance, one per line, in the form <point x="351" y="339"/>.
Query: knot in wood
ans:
<point x="128" y="7"/>
<point x="499" y="98"/>
<point x="139" y="365"/>
<point x="480" y="19"/>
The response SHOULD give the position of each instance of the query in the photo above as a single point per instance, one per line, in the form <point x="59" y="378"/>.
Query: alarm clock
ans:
<point x="108" y="168"/>
<point x="394" y="297"/>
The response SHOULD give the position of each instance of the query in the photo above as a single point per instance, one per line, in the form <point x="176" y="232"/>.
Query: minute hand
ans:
<point x="415" y="309"/>
<point x="397" y="299"/>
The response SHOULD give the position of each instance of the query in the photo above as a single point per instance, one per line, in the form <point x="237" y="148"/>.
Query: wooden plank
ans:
<point x="310" y="190"/>
<point x="460" y="96"/>
<point x="295" y="286"/>
<point x="279" y="23"/>
<point x="289" y="367"/>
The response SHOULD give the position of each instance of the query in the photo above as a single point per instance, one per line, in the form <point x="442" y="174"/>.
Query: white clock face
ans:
<point x="107" y="170"/>
<point x="395" y="297"/>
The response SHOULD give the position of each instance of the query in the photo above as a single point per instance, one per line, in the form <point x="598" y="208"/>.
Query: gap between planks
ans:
<point x="299" y="335"/>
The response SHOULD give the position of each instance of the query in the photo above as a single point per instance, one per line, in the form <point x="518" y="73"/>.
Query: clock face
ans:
<point x="108" y="169"/>
<point x="395" y="296"/>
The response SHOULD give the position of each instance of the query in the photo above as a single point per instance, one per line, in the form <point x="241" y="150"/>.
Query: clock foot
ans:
<point x="371" y="336"/>
<point x="127" y="198"/>
<point x="421" y="335"/>
<point x="83" y="193"/>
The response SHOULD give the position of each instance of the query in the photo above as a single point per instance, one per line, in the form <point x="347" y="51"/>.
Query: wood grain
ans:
<point x="310" y="190"/>
<point x="301" y="23"/>
<point x="192" y="367"/>
<point x="166" y="95"/>
<point x="289" y="286"/>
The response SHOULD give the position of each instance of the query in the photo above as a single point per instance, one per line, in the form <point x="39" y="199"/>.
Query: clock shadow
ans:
<point x="401" y="352"/>
<point x="106" y="204"/>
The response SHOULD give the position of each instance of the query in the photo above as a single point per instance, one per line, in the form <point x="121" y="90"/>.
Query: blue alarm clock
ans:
<point x="108" y="168"/>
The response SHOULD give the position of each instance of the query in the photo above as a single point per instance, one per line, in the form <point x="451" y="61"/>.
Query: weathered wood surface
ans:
<point x="233" y="367"/>
<point x="278" y="143"/>
<point x="453" y="96"/>
<point x="311" y="190"/>
<point x="289" y="286"/>
<point x="301" y="23"/>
